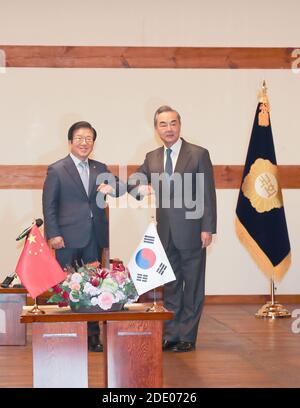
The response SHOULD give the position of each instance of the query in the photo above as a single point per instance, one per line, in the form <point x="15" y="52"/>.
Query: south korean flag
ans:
<point x="149" y="266"/>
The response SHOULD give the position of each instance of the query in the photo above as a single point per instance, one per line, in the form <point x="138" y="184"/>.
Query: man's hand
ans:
<point x="57" y="242"/>
<point x="206" y="238"/>
<point x="145" y="190"/>
<point x="105" y="189"/>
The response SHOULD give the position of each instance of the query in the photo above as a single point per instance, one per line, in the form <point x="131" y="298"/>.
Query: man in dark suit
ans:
<point x="185" y="225"/>
<point x="75" y="224"/>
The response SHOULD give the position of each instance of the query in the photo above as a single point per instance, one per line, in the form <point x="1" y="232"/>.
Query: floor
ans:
<point x="234" y="349"/>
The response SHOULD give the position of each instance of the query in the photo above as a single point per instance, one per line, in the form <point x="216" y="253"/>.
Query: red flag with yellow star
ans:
<point x="37" y="268"/>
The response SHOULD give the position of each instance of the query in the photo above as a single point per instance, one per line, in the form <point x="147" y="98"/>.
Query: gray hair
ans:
<point x="165" y="108"/>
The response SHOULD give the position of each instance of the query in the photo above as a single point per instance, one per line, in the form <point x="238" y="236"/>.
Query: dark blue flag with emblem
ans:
<point x="260" y="223"/>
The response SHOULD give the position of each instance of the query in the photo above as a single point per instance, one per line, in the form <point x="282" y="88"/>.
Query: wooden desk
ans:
<point x="132" y="341"/>
<point x="12" y="333"/>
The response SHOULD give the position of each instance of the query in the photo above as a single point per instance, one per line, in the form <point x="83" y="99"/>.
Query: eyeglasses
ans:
<point x="80" y="139"/>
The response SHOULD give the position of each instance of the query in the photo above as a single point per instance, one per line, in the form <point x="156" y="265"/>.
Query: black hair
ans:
<point x="79" y="125"/>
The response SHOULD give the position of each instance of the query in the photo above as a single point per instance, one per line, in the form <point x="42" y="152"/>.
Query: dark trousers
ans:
<point x="71" y="256"/>
<point x="185" y="296"/>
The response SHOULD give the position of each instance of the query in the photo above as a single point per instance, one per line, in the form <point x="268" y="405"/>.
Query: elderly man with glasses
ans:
<point x="75" y="225"/>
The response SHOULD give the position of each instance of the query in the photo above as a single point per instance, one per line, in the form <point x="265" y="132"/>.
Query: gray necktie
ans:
<point x="84" y="175"/>
<point x="169" y="164"/>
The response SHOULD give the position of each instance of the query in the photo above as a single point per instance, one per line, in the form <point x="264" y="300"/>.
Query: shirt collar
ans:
<point x="175" y="147"/>
<point x="76" y="160"/>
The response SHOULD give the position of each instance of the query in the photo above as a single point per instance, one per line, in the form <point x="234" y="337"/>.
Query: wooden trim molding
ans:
<point x="250" y="299"/>
<point x="24" y="177"/>
<point x="230" y="299"/>
<point x="209" y="299"/>
<point x="45" y="56"/>
<point x="31" y="177"/>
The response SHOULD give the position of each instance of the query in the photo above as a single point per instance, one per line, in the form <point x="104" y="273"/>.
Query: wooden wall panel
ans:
<point x="25" y="177"/>
<point x="31" y="177"/>
<point x="227" y="176"/>
<point x="147" y="57"/>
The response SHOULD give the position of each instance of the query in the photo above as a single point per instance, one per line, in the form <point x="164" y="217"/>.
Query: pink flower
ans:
<point x="75" y="286"/>
<point x="105" y="300"/>
<point x="120" y="277"/>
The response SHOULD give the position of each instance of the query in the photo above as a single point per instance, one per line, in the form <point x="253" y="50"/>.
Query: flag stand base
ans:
<point x="36" y="310"/>
<point x="155" y="308"/>
<point x="272" y="310"/>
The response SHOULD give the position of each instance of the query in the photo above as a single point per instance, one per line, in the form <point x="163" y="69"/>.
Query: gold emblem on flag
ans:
<point x="261" y="186"/>
<point x="263" y="116"/>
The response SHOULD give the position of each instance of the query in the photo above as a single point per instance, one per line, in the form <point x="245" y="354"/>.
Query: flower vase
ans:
<point x="116" y="307"/>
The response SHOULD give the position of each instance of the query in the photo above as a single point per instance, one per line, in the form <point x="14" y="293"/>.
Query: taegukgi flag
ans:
<point x="149" y="266"/>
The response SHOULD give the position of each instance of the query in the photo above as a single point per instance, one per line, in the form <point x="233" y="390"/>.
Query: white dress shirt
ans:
<point x="174" y="154"/>
<point x="77" y="164"/>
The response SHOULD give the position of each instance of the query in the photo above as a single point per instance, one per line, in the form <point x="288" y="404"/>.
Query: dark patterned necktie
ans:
<point x="169" y="164"/>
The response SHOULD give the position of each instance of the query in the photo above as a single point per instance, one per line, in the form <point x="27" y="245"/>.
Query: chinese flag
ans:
<point x="37" y="268"/>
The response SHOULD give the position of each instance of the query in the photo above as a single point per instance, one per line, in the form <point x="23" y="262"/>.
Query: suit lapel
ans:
<point x="159" y="162"/>
<point x="73" y="172"/>
<point x="183" y="158"/>
<point x="182" y="161"/>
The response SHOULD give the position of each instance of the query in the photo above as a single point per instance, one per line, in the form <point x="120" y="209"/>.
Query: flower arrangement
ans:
<point x="92" y="288"/>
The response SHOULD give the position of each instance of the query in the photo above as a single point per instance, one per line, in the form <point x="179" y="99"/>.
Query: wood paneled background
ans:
<point x="227" y="176"/>
<point x="147" y="57"/>
<point x="31" y="177"/>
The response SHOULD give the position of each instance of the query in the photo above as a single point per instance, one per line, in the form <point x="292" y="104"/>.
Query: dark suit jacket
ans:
<point x="67" y="208"/>
<point x="185" y="232"/>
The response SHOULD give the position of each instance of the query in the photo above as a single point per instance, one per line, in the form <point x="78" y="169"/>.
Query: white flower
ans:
<point x="94" y="301"/>
<point x="93" y="291"/>
<point x="76" y="277"/>
<point x="87" y="287"/>
<point x="119" y="296"/>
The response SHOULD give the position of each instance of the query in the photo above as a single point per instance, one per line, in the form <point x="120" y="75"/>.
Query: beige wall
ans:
<point x="157" y="22"/>
<point x="217" y="108"/>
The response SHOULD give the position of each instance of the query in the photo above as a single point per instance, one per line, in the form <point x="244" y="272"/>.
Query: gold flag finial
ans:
<point x="263" y="116"/>
<point x="262" y="95"/>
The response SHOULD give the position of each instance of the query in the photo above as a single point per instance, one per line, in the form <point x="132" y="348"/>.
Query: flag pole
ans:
<point x="273" y="309"/>
<point x="36" y="310"/>
<point x="155" y="307"/>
